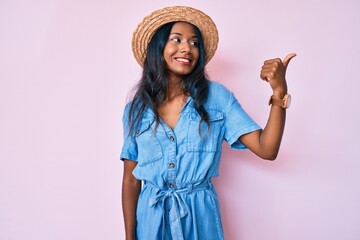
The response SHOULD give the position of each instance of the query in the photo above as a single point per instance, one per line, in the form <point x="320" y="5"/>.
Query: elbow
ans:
<point x="270" y="156"/>
<point x="270" y="152"/>
<point x="134" y="183"/>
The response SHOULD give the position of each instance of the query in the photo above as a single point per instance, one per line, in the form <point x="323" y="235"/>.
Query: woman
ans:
<point x="175" y="125"/>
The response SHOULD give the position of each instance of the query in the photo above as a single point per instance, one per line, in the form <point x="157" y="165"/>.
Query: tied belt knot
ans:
<point x="178" y="207"/>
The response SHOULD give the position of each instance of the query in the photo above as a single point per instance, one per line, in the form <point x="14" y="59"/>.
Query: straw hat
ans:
<point x="151" y="23"/>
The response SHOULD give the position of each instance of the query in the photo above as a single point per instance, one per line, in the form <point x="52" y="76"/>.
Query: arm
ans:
<point x="130" y="193"/>
<point x="266" y="143"/>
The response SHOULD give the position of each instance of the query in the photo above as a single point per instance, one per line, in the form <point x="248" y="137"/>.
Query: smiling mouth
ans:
<point x="183" y="60"/>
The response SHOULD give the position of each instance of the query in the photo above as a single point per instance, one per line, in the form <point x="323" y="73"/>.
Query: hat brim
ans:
<point x="151" y="23"/>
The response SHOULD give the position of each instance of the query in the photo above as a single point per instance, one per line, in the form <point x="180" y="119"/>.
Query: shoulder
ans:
<point x="130" y="109"/>
<point x="134" y="107"/>
<point x="127" y="109"/>
<point x="137" y="111"/>
<point x="218" y="96"/>
<point x="216" y="87"/>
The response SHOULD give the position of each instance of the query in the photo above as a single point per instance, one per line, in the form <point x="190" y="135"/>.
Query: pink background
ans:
<point x="66" y="68"/>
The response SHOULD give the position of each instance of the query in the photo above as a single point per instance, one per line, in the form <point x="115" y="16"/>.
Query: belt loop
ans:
<point x="210" y="185"/>
<point x="189" y="188"/>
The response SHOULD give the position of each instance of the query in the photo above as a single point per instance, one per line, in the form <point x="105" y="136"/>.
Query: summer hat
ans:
<point x="152" y="22"/>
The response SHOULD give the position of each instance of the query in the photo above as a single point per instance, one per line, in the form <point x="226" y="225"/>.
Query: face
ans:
<point x="181" y="51"/>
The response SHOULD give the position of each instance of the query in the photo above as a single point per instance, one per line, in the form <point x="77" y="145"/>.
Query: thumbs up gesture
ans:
<point x="273" y="71"/>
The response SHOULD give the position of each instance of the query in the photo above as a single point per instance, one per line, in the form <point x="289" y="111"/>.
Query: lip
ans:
<point x="183" y="60"/>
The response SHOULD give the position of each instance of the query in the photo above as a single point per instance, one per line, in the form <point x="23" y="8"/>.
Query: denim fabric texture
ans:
<point x="178" y="200"/>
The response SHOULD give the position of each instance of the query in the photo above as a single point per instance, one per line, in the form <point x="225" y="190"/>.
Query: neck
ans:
<point x="174" y="88"/>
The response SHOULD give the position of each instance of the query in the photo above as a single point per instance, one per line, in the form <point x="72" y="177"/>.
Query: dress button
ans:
<point x="172" y="138"/>
<point x="171" y="165"/>
<point x="137" y="132"/>
<point x="171" y="185"/>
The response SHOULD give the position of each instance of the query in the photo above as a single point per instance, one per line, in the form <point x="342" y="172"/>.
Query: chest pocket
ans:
<point x="203" y="139"/>
<point x="149" y="148"/>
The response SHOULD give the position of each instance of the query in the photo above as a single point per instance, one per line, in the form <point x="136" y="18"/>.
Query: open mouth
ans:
<point x="183" y="60"/>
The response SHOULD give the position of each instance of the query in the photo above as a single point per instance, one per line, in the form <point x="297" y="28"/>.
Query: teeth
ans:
<point x="183" y="60"/>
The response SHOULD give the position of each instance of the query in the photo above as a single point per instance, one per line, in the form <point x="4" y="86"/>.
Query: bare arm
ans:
<point x="266" y="143"/>
<point x="130" y="193"/>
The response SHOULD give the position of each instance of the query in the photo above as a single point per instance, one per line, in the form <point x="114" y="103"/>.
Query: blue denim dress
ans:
<point x="178" y="200"/>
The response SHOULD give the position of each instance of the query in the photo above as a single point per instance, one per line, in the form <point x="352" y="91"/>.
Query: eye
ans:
<point x="175" y="39"/>
<point x="194" y="43"/>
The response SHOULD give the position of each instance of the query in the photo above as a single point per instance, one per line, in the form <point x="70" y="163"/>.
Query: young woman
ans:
<point x="175" y="125"/>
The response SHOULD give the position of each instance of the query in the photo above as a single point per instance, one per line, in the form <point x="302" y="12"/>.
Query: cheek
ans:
<point x="167" y="54"/>
<point x="196" y="55"/>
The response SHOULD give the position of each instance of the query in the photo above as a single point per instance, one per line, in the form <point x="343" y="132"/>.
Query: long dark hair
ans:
<point x="152" y="89"/>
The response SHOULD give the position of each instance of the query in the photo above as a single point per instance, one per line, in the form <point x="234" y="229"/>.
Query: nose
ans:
<point x="185" y="47"/>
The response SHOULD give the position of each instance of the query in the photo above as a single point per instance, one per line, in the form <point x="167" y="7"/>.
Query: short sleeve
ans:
<point x="129" y="148"/>
<point x="237" y="123"/>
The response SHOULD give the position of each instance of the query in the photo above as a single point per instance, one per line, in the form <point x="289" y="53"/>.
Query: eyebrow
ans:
<point x="176" y="33"/>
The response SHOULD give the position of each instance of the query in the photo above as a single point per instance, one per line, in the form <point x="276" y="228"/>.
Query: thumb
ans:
<point x="287" y="59"/>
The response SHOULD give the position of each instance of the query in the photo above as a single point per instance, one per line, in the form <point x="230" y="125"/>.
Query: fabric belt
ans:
<point x="178" y="208"/>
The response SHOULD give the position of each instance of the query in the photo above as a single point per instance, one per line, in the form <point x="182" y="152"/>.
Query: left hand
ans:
<point x="273" y="71"/>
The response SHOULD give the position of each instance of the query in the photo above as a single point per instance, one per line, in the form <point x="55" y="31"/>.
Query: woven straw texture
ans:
<point x="151" y="23"/>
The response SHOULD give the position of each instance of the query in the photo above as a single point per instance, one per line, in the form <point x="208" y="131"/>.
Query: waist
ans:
<point x="182" y="187"/>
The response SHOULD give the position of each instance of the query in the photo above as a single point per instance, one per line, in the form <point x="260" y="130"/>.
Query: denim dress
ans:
<point x="178" y="200"/>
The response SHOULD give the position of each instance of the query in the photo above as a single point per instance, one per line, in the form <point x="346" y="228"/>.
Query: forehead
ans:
<point x="183" y="27"/>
